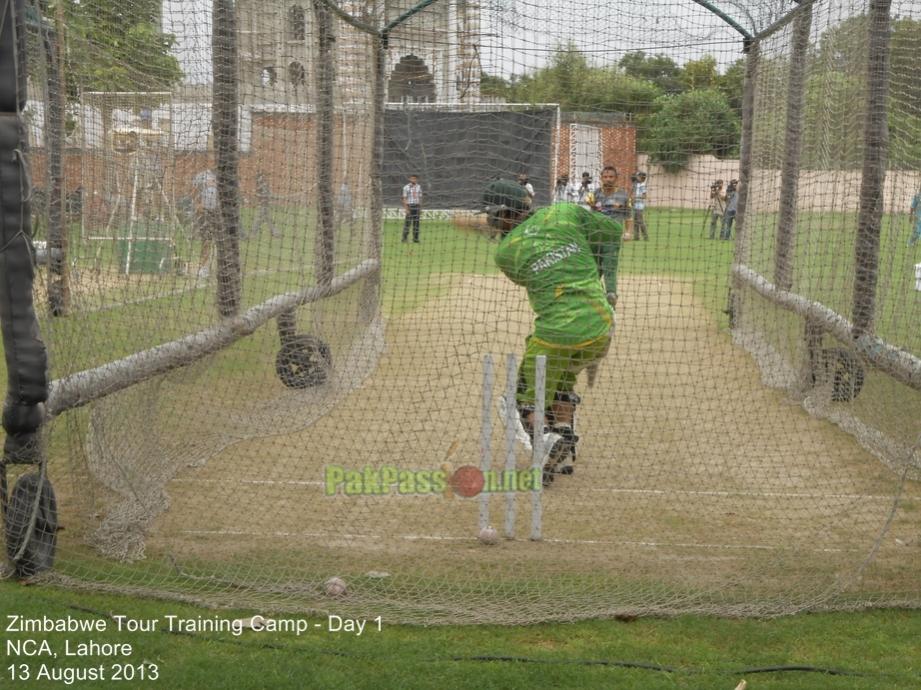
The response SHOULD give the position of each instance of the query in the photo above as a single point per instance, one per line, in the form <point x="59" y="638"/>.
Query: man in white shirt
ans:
<point x="639" y="206"/>
<point x="523" y="181"/>
<point x="584" y="191"/>
<point x="412" y="205"/>
<point x="207" y="216"/>
<point x="565" y="190"/>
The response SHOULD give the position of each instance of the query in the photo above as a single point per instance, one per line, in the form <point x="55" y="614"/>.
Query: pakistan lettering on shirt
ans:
<point x="555" y="256"/>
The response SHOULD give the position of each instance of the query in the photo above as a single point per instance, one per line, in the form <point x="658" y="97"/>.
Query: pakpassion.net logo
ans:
<point x="466" y="481"/>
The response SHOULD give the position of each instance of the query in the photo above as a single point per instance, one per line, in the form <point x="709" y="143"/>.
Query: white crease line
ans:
<point x="445" y="538"/>
<point x="654" y="492"/>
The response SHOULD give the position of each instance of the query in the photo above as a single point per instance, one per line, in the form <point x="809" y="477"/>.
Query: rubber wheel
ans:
<point x="303" y="362"/>
<point x="844" y="370"/>
<point x="39" y="552"/>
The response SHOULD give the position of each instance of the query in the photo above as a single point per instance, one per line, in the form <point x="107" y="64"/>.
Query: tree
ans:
<point x="661" y="70"/>
<point x="562" y="81"/>
<point x="832" y="127"/>
<point x="611" y="90"/>
<point x="117" y="46"/>
<point x="732" y="82"/>
<point x="570" y="81"/>
<point x="496" y="87"/>
<point x="843" y="50"/>
<point x="695" y="122"/>
<point x="700" y="74"/>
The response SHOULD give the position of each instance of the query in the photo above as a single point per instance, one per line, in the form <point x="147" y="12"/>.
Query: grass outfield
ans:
<point x="869" y="650"/>
<point x="411" y="273"/>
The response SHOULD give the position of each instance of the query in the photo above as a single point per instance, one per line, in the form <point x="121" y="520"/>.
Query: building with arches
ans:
<point x="432" y="57"/>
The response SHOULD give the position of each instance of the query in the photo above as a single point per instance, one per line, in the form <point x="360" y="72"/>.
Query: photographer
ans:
<point x="716" y="207"/>
<point x="732" y="202"/>
<point x="563" y="191"/>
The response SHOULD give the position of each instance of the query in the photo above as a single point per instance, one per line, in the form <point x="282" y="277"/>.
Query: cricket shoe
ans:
<point x="566" y="453"/>
<point x="561" y="454"/>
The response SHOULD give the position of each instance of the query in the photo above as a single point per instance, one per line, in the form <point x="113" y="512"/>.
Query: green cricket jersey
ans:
<point x="558" y="255"/>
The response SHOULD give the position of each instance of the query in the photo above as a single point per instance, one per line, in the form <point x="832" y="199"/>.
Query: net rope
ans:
<point x="263" y="382"/>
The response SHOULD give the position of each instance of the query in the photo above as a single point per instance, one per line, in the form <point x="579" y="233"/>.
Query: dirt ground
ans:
<point x="696" y="487"/>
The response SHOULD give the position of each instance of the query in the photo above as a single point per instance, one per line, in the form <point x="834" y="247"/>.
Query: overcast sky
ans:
<point x="517" y="36"/>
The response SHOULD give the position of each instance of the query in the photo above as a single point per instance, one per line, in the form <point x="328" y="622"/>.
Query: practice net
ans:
<point x="267" y="394"/>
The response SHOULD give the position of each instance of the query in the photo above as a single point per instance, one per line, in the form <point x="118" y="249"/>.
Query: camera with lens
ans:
<point x="733" y="186"/>
<point x="634" y="178"/>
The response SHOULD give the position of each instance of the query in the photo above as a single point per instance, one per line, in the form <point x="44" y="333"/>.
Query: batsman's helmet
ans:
<point x="505" y="195"/>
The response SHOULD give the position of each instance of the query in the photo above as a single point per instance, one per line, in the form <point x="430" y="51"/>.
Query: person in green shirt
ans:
<point x="566" y="257"/>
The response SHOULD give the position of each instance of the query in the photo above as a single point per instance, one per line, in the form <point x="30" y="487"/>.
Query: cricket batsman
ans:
<point x="566" y="257"/>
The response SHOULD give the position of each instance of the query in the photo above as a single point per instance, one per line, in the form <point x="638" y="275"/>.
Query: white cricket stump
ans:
<point x="489" y="376"/>
<point x="510" y="422"/>
<point x="511" y="386"/>
<point x="537" y="445"/>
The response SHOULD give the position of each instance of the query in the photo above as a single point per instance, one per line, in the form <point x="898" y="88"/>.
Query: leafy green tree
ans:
<point x="843" y="50"/>
<point x="496" y="87"/>
<point x="562" y="81"/>
<point x="695" y="122"/>
<point x="114" y="46"/>
<point x="732" y="82"/>
<point x="700" y="74"/>
<point x="611" y="90"/>
<point x="661" y="70"/>
<point x="832" y="129"/>
<point x="570" y="81"/>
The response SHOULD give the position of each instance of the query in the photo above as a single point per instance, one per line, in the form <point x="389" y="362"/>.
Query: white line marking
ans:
<point x="447" y="538"/>
<point x="652" y="492"/>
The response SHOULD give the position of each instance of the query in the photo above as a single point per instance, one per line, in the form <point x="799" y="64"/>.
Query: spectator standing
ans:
<point x="263" y="207"/>
<point x="639" y="206"/>
<point x="529" y="188"/>
<point x="207" y="216"/>
<point x="584" y="191"/>
<point x="914" y="216"/>
<point x="716" y="207"/>
<point x="563" y="191"/>
<point x="610" y="199"/>
<point x="732" y="203"/>
<point x="412" y="205"/>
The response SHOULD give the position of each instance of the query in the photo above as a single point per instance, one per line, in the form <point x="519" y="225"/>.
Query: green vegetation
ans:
<point x="854" y="651"/>
<point x="678" y="111"/>
<point x="695" y="122"/>
<point x="111" y="46"/>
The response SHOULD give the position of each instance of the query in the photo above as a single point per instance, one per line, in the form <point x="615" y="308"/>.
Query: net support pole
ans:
<point x="745" y="169"/>
<point x="225" y="128"/>
<point x="370" y="297"/>
<point x="78" y="389"/>
<point x="789" y="183"/>
<point x="898" y="363"/>
<point x="58" y="283"/>
<point x="876" y="134"/>
<point x="325" y="83"/>
<point x="23" y="349"/>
